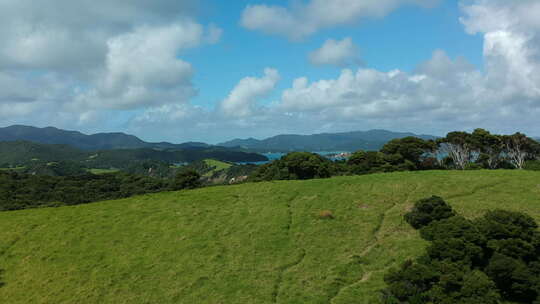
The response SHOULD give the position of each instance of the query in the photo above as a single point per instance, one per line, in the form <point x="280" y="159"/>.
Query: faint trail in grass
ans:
<point x="474" y="190"/>
<point x="382" y="218"/>
<point x="282" y="269"/>
<point x="375" y="240"/>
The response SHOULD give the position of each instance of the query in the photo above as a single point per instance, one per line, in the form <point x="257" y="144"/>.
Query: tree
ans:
<point x="490" y="147"/>
<point x="519" y="148"/>
<point x="295" y="165"/>
<point x="459" y="147"/>
<point x="362" y="162"/>
<point x="413" y="149"/>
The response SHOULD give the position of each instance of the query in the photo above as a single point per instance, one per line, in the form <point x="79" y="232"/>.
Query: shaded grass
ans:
<point x="250" y="243"/>
<point x="102" y="171"/>
<point x="13" y="169"/>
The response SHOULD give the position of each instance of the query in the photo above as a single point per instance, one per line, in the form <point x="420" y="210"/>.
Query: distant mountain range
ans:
<point x="100" y="141"/>
<point x="349" y="141"/>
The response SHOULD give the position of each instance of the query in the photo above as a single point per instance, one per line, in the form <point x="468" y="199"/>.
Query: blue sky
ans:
<point x="400" y="40"/>
<point x="210" y="70"/>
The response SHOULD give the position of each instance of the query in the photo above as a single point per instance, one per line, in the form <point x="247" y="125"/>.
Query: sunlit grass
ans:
<point x="250" y="243"/>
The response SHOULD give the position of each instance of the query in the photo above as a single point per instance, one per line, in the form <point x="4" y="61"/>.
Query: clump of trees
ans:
<point x="487" y="260"/>
<point x="485" y="150"/>
<point x="23" y="191"/>
<point x="296" y="165"/>
<point x="457" y="150"/>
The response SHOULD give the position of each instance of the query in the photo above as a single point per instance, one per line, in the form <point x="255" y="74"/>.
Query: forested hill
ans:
<point x="23" y="152"/>
<point x="350" y="141"/>
<point x="100" y="141"/>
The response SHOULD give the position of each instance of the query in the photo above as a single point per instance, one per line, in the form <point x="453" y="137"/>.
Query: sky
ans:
<point x="211" y="70"/>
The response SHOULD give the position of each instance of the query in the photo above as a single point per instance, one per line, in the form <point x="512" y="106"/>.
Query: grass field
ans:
<point x="12" y="169"/>
<point x="219" y="165"/>
<point x="103" y="171"/>
<point x="250" y="243"/>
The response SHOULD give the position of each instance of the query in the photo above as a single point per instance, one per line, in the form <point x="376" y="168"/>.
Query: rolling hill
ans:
<point x="350" y="141"/>
<point x="250" y="243"/>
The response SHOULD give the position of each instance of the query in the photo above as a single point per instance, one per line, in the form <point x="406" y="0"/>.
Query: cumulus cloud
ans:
<point x="242" y="99"/>
<point x="300" y="20"/>
<point x="339" y="53"/>
<point x="80" y="59"/>
<point x="142" y="68"/>
<point x="449" y="92"/>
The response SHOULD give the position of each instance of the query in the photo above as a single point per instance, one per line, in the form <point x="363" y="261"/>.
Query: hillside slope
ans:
<point x="250" y="243"/>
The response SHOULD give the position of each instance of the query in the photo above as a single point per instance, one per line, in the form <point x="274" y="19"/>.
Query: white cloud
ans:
<point x="142" y="68"/>
<point x="242" y="99"/>
<point x="300" y="20"/>
<point x="79" y="59"/>
<point x="336" y="52"/>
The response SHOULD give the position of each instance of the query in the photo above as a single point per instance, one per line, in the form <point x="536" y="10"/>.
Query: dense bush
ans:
<point x="296" y="165"/>
<point x="61" y="168"/>
<point x="188" y="179"/>
<point x="533" y="165"/>
<point x="488" y="260"/>
<point x="428" y="210"/>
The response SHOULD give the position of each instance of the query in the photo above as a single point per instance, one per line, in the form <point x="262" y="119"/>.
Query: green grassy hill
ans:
<point x="250" y="243"/>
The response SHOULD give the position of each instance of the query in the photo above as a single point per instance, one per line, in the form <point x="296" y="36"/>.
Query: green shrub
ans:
<point x="533" y="165"/>
<point x="188" y="179"/>
<point x="493" y="259"/>
<point x="428" y="210"/>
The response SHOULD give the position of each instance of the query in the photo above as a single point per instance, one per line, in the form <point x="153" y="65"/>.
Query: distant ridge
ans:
<point x="346" y="141"/>
<point x="100" y="141"/>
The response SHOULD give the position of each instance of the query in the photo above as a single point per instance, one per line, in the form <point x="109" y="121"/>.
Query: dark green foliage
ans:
<point x="502" y="224"/>
<point x="23" y="191"/>
<point x="410" y="282"/>
<point x="458" y="284"/>
<point x="533" y="165"/>
<point x="412" y="149"/>
<point x="428" y="210"/>
<point x="364" y="162"/>
<point x="296" y="165"/>
<point x="61" y="168"/>
<point x="489" y="260"/>
<point x="187" y="179"/>
<point x="151" y="168"/>
<point x="22" y="152"/>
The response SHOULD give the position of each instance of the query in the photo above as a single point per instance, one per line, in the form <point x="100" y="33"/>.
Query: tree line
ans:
<point x="457" y="150"/>
<point x="24" y="191"/>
